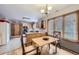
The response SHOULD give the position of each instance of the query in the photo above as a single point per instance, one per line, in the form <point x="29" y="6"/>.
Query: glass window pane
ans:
<point x="58" y="24"/>
<point x="70" y="29"/>
<point x="50" y="27"/>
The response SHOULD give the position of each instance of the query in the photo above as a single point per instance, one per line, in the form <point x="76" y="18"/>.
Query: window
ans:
<point x="50" y="27"/>
<point x="58" y="23"/>
<point x="69" y="30"/>
<point x="70" y="27"/>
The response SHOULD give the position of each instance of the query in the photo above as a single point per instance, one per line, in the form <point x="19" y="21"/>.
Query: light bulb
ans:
<point x="49" y="8"/>
<point x="42" y="11"/>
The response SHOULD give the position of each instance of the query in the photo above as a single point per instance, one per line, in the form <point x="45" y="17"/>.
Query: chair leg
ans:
<point x="55" y="49"/>
<point x="49" y="46"/>
<point x="41" y="50"/>
<point x="59" y="45"/>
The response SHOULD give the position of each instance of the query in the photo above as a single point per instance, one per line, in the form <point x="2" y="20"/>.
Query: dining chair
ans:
<point x="27" y="47"/>
<point x="57" y="34"/>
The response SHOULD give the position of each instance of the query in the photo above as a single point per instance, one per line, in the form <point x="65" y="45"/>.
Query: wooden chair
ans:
<point x="27" y="48"/>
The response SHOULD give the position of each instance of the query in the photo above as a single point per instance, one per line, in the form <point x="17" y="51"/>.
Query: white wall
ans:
<point x="27" y="24"/>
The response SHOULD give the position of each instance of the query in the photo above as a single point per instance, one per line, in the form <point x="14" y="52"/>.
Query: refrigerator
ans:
<point x="4" y="32"/>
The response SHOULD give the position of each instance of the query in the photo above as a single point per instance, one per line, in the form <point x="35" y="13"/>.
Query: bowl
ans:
<point x="45" y="38"/>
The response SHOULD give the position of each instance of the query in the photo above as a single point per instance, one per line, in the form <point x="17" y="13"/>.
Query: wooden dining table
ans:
<point x="40" y="42"/>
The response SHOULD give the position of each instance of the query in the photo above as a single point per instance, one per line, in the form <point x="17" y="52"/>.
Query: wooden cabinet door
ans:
<point x="15" y="29"/>
<point x="16" y="26"/>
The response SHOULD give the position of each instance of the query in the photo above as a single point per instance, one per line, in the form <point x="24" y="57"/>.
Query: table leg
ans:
<point x="55" y="49"/>
<point x="38" y="52"/>
<point x="49" y="46"/>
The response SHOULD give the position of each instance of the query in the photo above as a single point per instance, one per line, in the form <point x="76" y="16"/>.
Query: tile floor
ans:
<point x="45" y="51"/>
<point x="14" y="48"/>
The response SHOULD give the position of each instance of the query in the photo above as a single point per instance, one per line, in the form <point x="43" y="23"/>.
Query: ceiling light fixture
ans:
<point x="46" y="9"/>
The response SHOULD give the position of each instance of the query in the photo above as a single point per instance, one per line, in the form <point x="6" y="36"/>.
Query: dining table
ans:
<point x="42" y="41"/>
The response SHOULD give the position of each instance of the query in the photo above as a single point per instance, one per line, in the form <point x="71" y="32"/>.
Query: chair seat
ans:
<point x="29" y="49"/>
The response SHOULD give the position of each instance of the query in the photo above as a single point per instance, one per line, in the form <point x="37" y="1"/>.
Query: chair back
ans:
<point x="57" y="34"/>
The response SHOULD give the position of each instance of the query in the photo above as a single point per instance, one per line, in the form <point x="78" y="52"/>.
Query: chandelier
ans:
<point x="45" y="10"/>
